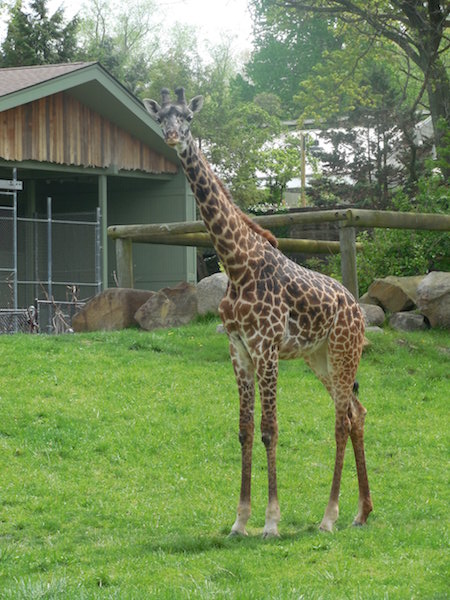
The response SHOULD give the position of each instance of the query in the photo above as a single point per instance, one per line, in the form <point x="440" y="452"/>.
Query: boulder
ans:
<point x="395" y="294"/>
<point x="373" y="314"/>
<point x="433" y="298"/>
<point x="210" y="292"/>
<point x="374" y="329"/>
<point x="366" y="299"/>
<point x="408" y="321"/>
<point x="110" y="310"/>
<point x="170" y="307"/>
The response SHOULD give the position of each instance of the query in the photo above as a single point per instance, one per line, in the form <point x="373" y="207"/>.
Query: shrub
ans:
<point x="396" y="251"/>
<point x="407" y="252"/>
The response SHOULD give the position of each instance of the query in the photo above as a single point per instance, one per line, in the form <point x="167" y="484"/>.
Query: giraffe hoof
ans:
<point x="326" y="527"/>
<point x="236" y="533"/>
<point x="358" y="522"/>
<point x="270" y="534"/>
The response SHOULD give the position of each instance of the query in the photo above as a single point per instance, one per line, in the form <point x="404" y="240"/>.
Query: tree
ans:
<point x="235" y="148"/>
<point x="285" y="52"/>
<point x="122" y="36"/>
<point x="417" y="28"/>
<point x="280" y="165"/>
<point x="375" y="146"/>
<point x="178" y="64"/>
<point x="35" y="38"/>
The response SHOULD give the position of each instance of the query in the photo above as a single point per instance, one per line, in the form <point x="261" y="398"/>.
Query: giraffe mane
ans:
<point x="265" y="233"/>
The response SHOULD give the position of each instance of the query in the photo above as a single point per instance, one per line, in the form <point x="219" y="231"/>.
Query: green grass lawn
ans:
<point x="120" y="472"/>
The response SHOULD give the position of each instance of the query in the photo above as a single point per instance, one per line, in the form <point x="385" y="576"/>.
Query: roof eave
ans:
<point x="74" y="82"/>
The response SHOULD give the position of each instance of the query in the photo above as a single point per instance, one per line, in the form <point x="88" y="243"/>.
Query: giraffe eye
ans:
<point x="189" y="118"/>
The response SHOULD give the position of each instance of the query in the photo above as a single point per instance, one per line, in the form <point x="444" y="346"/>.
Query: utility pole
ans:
<point x="303" y="169"/>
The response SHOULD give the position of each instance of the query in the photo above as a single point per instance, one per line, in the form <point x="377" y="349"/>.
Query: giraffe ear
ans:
<point x="196" y="104"/>
<point x="152" y="107"/>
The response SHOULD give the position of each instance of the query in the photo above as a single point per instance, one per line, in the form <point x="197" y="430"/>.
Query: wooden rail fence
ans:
<point x="193" y="233"/>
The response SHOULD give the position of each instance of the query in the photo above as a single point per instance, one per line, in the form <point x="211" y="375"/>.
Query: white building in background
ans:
<point x="317" y="143"/>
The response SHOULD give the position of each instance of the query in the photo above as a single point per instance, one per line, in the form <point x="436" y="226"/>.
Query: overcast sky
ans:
<point x="212" y="17"/>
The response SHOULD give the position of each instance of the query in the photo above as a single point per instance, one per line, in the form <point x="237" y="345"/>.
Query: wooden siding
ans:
<point x="60" y="129"/>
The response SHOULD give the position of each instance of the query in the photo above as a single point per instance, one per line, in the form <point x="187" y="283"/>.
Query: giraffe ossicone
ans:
<point x="273" y="309"/>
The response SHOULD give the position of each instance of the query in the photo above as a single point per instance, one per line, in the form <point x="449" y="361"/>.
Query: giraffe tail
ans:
<point x="356" y="388"/>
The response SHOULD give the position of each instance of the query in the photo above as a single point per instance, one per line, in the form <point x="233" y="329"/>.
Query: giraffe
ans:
<point x="273" y="309"/>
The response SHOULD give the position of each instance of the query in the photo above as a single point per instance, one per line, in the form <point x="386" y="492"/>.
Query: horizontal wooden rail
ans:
<point x="351" y="218"/>
<point x="202" y="240"/>
<point x="387" y="219"/>
<point x="140" y="232"/>
<point x="193" y="233"/>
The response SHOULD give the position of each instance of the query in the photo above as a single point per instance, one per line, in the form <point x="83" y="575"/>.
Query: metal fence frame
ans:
<point x="9" y="190"/>
<point x="50" y="222"/>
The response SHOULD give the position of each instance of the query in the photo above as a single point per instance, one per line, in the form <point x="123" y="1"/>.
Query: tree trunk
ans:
<point x="438" y="89"/>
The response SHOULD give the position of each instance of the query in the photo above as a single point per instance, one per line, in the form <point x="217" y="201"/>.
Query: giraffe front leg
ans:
<point x="267" y="373"/>
<point x="244" y="508"/>
<point x="245" y="377"/>
<point x="273" y="515"/>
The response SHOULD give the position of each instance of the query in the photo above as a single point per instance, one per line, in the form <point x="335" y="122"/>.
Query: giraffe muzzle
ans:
<point x="172" y="139"/>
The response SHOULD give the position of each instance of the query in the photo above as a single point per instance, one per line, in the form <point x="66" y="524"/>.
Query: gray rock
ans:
<point x="366" y="299"/>
<point x="374" y="329"/>
<point x="395" y="294"/>
<point x="433" y="298"/>
<point x="110" y="310"/>
<point x="210" y="292"/>
<point x="170" y="307"/>
<point x="373" y="315"/>
<point x="408" y="321"/>
<point x="220" y="328"/>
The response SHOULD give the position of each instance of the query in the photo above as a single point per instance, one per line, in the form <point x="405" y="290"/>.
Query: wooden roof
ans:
<point x="78" y="114"/>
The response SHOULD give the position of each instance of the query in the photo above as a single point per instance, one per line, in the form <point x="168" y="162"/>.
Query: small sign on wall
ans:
<point x="11" y="185"/>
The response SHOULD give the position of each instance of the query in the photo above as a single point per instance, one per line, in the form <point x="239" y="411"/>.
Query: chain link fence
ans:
<point x="56" y="317"/>
<point x="51" y="264"/>
<point x="15" y="321"/>
<point x="42" y="317"/>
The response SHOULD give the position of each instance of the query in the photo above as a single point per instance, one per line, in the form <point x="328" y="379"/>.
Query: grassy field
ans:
<point x="120" y="472"/>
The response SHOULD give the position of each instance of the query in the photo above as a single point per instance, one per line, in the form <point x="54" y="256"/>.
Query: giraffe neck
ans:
<point x="231" y="232"/>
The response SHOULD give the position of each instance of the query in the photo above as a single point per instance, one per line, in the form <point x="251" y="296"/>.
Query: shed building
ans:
<point x="73" y="134"/>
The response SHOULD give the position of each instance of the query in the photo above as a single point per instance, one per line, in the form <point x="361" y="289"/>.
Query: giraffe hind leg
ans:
<point x="349" y="423"/>
<point x="318" y="362"/>
<point x="342" y="431"/>
<point x="357" y="414"/>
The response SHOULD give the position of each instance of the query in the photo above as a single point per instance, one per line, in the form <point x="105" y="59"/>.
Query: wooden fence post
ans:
<point x="124" y="262"/>
<point x="347" y="239"/>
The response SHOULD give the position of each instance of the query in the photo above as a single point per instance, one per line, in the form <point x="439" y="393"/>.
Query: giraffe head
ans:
<point x="174" y="117"/>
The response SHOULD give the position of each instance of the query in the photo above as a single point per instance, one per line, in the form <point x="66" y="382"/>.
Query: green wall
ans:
<point x="132" y="202"/>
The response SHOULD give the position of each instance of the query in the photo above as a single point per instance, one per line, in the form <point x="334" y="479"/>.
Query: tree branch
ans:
<point x="380" y="22"/>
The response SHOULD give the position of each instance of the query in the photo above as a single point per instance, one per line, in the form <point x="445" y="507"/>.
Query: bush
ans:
<point x="396" y="251"/>
<point x="407" y="252"/>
